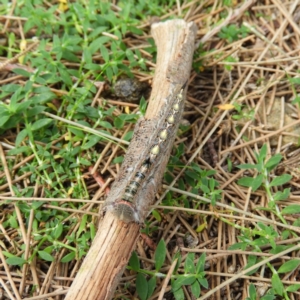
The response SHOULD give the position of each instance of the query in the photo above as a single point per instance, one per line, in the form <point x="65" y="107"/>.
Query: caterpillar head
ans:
<point x="125" y="211"/>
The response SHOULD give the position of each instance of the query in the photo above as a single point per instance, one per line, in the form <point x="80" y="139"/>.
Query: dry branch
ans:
<point x="115" y="240"/>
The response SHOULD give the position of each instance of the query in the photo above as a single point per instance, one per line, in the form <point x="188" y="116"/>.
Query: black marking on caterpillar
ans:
<point x="125" y="208"/>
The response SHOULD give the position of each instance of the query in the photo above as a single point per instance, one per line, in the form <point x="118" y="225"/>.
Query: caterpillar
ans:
<point x="125" y="208"/>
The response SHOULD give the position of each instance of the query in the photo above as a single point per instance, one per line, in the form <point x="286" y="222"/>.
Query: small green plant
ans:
<point x="229" y="59"/>
<point x="243" y="112"/>
<point x="51" y="119"/>
<point x="203" y="182"/>
<point x="262" y="235"/>
<point x="263" y="178"/>
<point x="295" y="81"/>
<point x="254" y="296"/>
<point x="232" y="32"/>
<point x="200" y="180"/>
<point x="192" y="274"/>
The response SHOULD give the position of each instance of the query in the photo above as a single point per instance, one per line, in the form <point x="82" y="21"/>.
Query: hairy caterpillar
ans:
<point x="126" y="207"/>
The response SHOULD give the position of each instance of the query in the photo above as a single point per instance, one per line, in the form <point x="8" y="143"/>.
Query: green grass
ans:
<point x="51" y="119"/>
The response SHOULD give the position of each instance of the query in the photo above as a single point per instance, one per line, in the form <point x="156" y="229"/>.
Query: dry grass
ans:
<point x="259" y="80"/>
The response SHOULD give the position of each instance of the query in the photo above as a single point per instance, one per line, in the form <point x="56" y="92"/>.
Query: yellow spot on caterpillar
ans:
<point x="163" y="134"/>
<point x="176" y="107"/>
<point x="171" y="119"/>
<point x="180" y="96"/>
<point x="155" y="150"/>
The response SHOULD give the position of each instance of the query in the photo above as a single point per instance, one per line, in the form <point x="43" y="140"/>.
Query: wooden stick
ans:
<point x="104" y="264"/>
